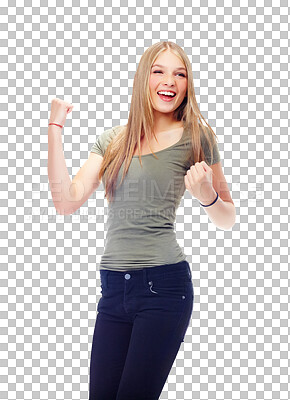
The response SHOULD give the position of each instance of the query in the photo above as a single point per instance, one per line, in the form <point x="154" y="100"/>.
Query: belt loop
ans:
<point x="145" y="276"/>
<point x="189" y="270"/>
<point x="104" y="277"/>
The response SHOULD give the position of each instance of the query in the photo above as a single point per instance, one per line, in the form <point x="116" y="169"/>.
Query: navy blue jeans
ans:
<point x="142" y="319"/>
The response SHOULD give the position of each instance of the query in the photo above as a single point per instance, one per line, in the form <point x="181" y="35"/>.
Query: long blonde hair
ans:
<point x="141" y="122"/>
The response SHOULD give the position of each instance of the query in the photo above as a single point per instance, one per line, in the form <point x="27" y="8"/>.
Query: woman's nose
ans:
<point x="169" y="81"/>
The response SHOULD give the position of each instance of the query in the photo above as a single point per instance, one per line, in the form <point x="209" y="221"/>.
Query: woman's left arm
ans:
<point x="223" y="212"/>
<point x="203" y="181"/>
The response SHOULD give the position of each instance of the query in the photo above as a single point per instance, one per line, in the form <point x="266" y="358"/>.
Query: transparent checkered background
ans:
<point x="236" y="346"/>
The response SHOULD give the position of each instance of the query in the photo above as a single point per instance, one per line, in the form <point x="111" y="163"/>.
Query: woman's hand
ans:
<point x="198" y="181"/>
<point x="59" y="111"/>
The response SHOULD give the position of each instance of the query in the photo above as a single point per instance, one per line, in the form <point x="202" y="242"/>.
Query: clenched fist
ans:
<point x="59" y="110"/>
<point x="198" y="181"/>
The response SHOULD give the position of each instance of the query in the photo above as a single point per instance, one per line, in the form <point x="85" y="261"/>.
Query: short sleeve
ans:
<point x="97" y="147"/>
<point x="103" y="141"/>
<point x="216" y="155"/>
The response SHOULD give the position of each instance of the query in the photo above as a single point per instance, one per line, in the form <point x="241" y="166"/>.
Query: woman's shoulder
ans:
<point x="104" y="139"/>
<point x="109" y="134"/>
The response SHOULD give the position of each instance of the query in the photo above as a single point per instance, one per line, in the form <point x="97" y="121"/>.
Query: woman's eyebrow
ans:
<point x="162" y="66"/>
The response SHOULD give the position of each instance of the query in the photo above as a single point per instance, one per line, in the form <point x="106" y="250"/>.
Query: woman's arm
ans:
<point x="68" y="195"/>
<point x="223" y="212"/>
<point x="59" y="179"/>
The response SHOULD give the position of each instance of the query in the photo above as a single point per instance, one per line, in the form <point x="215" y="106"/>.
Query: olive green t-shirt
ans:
<point x="140" y="223"/>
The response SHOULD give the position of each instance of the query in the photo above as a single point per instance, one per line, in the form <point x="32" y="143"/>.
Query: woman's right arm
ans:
<point x="69" y="195"/>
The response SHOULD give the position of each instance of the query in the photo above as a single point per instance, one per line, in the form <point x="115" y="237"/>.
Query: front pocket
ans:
<point x="168" y="289"/>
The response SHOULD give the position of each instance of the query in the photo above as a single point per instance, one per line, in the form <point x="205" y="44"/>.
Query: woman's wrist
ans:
<point x="210" y="199"/>
<point x="55" y="124"/>
<point x="54" y="131"/>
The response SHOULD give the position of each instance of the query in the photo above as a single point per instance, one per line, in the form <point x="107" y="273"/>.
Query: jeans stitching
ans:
<point x="151" y="284"/>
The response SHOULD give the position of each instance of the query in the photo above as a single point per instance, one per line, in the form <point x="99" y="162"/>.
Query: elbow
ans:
<point x="63" y="207"/>
<point x="230" y="226"/>
<point x="226" y="227"/>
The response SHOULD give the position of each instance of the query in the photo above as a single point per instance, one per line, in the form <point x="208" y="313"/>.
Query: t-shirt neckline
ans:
<point x="166" y="148"/>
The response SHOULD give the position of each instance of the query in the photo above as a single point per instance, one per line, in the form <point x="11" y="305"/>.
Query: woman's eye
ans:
<point x="161" y="72"/>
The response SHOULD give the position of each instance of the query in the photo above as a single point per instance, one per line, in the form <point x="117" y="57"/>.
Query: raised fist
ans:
<point x="59" y="110"/>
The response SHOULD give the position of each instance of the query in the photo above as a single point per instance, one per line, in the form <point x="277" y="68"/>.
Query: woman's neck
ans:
<point x="161" y="126"/>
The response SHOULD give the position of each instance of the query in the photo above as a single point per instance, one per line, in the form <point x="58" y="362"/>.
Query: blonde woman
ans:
<point x="145" y="166"/>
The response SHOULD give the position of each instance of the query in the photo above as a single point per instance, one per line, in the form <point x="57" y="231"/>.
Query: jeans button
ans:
<point x="127" y="276"/>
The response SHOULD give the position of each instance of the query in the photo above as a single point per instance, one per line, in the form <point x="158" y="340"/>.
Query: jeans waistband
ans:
<point x="180" y="269"/>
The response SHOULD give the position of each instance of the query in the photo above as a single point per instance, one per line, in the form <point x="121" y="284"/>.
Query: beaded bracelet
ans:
<point x="51" y="123"/>
<point x="212" y="202"/>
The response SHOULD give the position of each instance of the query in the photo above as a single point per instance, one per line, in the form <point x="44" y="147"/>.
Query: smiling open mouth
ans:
<point x="165" y="97"/>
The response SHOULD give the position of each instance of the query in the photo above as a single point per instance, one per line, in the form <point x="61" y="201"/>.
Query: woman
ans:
<point x="146" y="165"/>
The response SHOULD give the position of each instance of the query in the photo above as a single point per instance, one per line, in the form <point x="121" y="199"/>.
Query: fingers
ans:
<point x="205" y="166"/>
<point x="186" y="182"/>
<point x="190" y="177"/>
<point x="200" y="166"/>
<point x="197" y="171"/>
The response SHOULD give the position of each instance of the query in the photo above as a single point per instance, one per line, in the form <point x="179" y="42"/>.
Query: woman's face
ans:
<point x="170" y="76"/>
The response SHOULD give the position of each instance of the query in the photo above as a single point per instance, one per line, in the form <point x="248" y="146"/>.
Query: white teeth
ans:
<point x="167" y="93"/>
